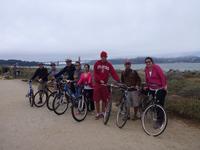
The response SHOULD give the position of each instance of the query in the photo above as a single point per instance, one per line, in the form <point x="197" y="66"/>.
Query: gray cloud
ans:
<point x="49" y="29"/>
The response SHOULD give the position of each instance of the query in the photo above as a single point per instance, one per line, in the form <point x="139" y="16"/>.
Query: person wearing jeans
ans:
<point x="156" y="80"/>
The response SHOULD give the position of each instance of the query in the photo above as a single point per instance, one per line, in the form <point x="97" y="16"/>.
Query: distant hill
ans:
<point x="140" y="60"/>
<point x="18" y="62"/>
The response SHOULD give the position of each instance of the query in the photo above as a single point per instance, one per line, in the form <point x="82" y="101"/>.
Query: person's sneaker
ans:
<point x="98" y="116"/>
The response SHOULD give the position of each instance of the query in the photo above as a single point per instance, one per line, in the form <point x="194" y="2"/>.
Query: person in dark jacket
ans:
<point x="42" y="74"/>
<point x="68" y="70"/>
<point x="131" y="78"/>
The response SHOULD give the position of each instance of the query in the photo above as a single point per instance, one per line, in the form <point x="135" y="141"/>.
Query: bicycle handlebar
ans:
<point x="121" y="86"/>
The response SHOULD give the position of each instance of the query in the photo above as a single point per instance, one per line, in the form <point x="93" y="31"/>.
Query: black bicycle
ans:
<point x="122" y="113"/>
<point x="154" y="117"/>
<point x="42" y="97"/>
<point x="61" y="99"/>
<point x="65" y="96"/>
<point x="108" y="107"/>
<point x="52" y="95"/>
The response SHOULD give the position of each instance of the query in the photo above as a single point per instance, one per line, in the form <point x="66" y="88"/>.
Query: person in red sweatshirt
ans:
<point x="102" y="70"/>
<point x="156" y="80"/>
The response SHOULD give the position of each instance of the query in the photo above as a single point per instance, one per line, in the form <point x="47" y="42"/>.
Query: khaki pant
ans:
<point x="133" y="98"/>
<point x="42" y="86"/>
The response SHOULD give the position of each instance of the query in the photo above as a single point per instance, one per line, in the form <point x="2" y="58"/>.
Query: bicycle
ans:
<point x="51" y="97"/>
<point x="42" y="97"/>
<point x="30" y="94"/>
<point x="61" y="99"/>
<point x="108" y="107"/>
<point x="78" y="102"/>
<point x="79" y="107"/>
<point x="122" y="113"/>
<point x="151" y="117"/>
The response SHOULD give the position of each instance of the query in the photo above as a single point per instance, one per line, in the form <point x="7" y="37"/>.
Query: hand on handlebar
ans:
<point x="102" y="82"/>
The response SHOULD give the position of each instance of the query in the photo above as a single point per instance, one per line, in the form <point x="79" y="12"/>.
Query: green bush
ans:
<point x="185" y="107"/>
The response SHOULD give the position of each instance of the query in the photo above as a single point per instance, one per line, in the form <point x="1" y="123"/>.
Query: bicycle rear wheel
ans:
<point x="60" y="104"/>
<point x="79" y="109"/>
<point x="151" y="122"/>
<point x="50" y="101"/>
<point x="40" y="98"/>
<point x="107" y="112"/>
<point x="122" y="115"/>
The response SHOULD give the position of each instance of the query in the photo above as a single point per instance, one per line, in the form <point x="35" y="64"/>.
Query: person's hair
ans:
<point x="78" y="62"/>
<point x="87" y="65"/>
<point x="150" y="58"/>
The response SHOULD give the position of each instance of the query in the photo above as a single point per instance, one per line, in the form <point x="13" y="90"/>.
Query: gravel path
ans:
<point x="25" y="128"/>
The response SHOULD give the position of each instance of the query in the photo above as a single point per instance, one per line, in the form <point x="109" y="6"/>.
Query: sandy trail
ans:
<point x="25" y="128"/>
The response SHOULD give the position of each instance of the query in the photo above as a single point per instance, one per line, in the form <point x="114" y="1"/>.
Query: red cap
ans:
<point x="104" y="54"/>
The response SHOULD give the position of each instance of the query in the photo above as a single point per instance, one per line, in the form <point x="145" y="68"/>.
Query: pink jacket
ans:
<point x="86" y="80"/>
<point x="157" y="79"/>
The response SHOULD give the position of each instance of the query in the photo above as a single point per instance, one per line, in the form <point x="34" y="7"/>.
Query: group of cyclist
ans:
<point x="95" y="84"/>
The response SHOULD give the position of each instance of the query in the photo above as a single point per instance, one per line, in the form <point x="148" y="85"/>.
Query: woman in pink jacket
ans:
<point x="156" y="80"/>
<point x="86" y="81"/>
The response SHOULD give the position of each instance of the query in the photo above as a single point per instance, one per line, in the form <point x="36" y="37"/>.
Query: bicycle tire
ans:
<point x="107" y="112"/>
<point x="31" y="100"/>
<point x="58" y="100"/>
<point x="164" y="123"/>
<point x="43" y="98"/>
<point x="122" y="115"/>
<point x="50" y="101"/>
<point x="78" y="108"/>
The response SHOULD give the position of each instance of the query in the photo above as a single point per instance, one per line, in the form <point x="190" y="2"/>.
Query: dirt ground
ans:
<point x="25" y="128"/>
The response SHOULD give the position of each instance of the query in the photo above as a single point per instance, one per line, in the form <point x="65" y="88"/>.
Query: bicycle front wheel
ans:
<point x="79" y="109"/>
<point x="31" y="99"/>
<point x="107" y="112"/>
<point x="60" y="104"/>
<point x="154" y="120"/>
<point x="50" y="101"/>
<point x="40" y="98"/>
<point x="122" y="115"/>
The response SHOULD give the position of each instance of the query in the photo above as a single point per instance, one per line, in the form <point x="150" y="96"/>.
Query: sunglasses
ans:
<point x="148" y="62"/>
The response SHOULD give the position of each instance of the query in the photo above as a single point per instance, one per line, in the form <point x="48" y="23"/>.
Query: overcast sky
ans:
<point x="59" y="29"/>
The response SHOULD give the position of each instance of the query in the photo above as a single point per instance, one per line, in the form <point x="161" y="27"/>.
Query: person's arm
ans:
<point x="61" y="72"/>
<point x="138" y="83"/>
<point x="90" y="79"/>
<point x="114" y="73"/>
<point x="35" y="75"/>
<point x="146" y="79"/>
<point x="80" y="80"/>
<point x="45" y="77"/>
<point x="96" y="74"/>
<point x="122" y="77"/>
<point x="162" y="76"/>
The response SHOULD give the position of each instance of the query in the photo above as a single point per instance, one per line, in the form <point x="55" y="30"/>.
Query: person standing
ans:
<point x="131" y="78"/>
<point x="102" y="71"/>
<point x="86" y="82"/>
<point x="156" y="80"/>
